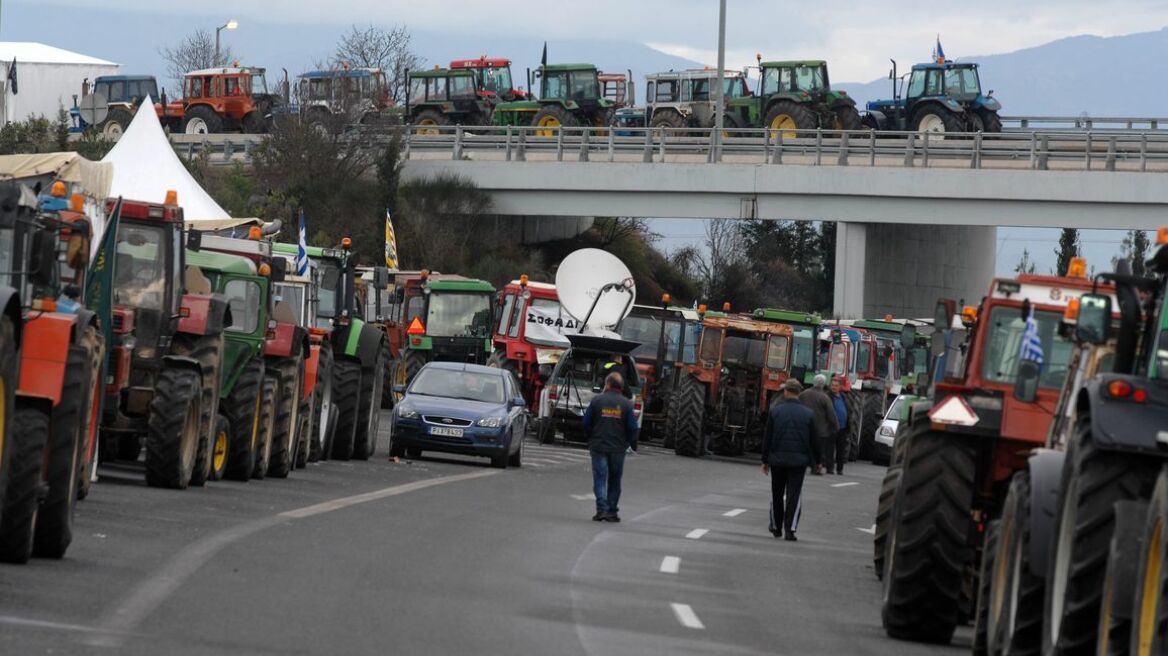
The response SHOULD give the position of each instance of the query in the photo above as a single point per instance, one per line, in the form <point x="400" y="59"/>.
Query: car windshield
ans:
<point x="962" y="83"/>
<point x="895" y="409"/>
<point x="141" y="266"/>
<point x="1004" y="344"/>
<point x="330" y="281"/>
<point x="456" y="384"/>
<point x="454" y="314"/>
<point x="743" y="351"/>
<point x="810" y="78"/>
<point x="497" y="80"/>
<point x="647" y="331"/>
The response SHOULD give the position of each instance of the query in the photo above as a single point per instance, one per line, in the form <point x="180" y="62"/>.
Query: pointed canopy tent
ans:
<point x="146" y="167"/>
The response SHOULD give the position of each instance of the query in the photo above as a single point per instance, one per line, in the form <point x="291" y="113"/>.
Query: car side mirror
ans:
<point x="42" y="258"/>
<point x="194" y="240"/>
<point x="1026" y="384"/>
<point x="398" y="388"/>
<point x="1094" y="322"/>
<point x="545" y="372"/>
<point x="519" y="402"/>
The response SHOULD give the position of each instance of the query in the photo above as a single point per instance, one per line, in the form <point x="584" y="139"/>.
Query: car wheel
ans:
<point x="516" y="459"/>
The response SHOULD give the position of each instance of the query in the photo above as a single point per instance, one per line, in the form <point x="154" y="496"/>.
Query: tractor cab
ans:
<point x="668" y="338"/>
<point x="804" y="339"/>
<point x="493" y="77"/>
<point x="940" y="96"/>
<point x="793" y="96"/>
<point x="686" y="98"/>
<point x="443" y="96"/>
<point x="352" y="93"/>
<point x="446" y="318"/>
<point x="570" y="83"/>
<point x="529" y="333"/>
<point x="617" y="88"/>
<point x="227" y="99"/>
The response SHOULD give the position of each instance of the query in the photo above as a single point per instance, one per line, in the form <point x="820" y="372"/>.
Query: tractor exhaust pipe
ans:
<point x="272" y="227"/>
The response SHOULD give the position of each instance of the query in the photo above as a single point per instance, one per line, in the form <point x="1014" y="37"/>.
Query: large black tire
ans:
<point x="372" y="382"/>
<point x="347" y="400"/>
<point x="201" y="119"/>
<point x="30" y="434"/>
<point x="431" y="117"/>
<point x="8" y="385"/>
<point x="257" y="121"/>
<point x="1023" y="635"/>
<point x="854" y="401"/>
<point x="94" y="344"/>
<point x="303" y="435"/>
<point x="687" y="418"/>
<point x="1092" y="481"/>
<point x="208" y="351"/>
<point x="802" y="117"/>
<point x="323" y="428"/>
<point x="115" y="123"/>
<point x="981" y="616"/>
<point x="243" y="410"/>
<point x="928" y="550"/>
<point x="288" y="376"/>
<point x="172" y="437"/>
<point x="847" y="118"/>
<point x="552" y="116"/>
<point x="870" y="417"/>
<point x="884" y="518"/>
<point x="938" y="121"/>
<point x="54" y="525"/>
<point x="1119" y="583"/>
<point x="1149" y="607"/>
<point x="220" y="449"/>
<point x="991" y="121"/>
<point x="667" y="118"/>
<point x="268" y="393"/>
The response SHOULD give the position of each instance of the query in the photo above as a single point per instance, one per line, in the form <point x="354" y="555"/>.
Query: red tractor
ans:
<point x="668" y="338"/>
<point x="618" y="88"/>
<point x="992" y="403"/>
<point x="529" y="333"/>
<point x="494" y="78"/>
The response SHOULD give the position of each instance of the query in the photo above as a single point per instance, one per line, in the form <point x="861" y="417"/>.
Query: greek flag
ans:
<point x="1031" y="342"/>
<point x="302" y="249"/>
<point x="939" y="53"/>
<point x="390" y="243"/>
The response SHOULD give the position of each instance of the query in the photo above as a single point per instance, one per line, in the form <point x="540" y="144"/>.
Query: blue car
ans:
<point x="466" y="409"/>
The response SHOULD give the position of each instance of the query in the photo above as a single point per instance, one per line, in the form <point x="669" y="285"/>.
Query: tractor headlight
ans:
<point x="490" y="422"/>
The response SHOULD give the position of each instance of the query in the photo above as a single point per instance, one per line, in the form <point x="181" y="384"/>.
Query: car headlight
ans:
<point x="887" y="431"/>
<point x="490" y="422"/>
<point x="406" y="412"/>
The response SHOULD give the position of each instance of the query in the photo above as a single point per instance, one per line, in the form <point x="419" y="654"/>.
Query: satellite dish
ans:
<point x="94" y="108"/>
<point x="595" y="287"/>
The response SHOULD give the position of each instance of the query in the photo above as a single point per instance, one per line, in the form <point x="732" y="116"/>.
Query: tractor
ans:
<point x="118" y="97"/>
<point x="529" y="333"/>
<point x="264" y="337"/>
<point x="618" y="89"/>
<point x="343" y="96"/>
<point x="50" y="348"/>
<point x="165" y="361"/>
<point x="570" y="96"/>
<point x="990" y="405"/>
<point x="741" y="366"/>
<point x="942" y="97"/>
<point x="668" y="338"/>
<point x="493" y="78"/>
<point x="357" y="353"/>
<point x="866" y="370"/>
<point x="793" y="96"/>
<point x="804" y="342"/>
<point x="446" y="97"/>
<point x="685" y="99"/>
<point x="222" y="100"/>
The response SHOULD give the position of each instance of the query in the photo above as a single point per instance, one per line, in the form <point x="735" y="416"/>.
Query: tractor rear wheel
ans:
<point x="884" y="518"/>
<point x="208" y="351"/>
<point x="1149" y="610"/>
<point x="991" y="121"/>
<point x="1093" y="480"/>
<point x="870" y="422"/>
<point x="989" y="557"/>
<point x="936" y="121"/>
<point x="8" y="384"/>
<point x="846" y="118"/>
<point x="347" y="398"/>
<point x="288" y="376"/>
<point x="321" y="434"/>
<point x="54" y="525"/>
<point x="201" y="119"/>
<point x="30" y="434"/>
<point x="369" y="419"/>
<point x="787" y="117"/>
<point x="1016" y="595"/>
<point x="855" y="405"/>
<point x="667" y="118"/>
<point x="687" y="418"/>
<point x="550" y="117"/>
<point x="172" y="437"/>
<point x="303" y="435"/>
<point x="115" y="123"/>
<point x="243" y="411"/>
<point x="268" y="394"/>
<point x="428" y="121"/>
<point x="927" y="538"/>
<point x="257" y="121"/>
<point x="1119" y="583"/>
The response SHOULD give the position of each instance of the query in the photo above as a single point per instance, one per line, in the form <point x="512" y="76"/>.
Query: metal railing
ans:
<point x="1084" y="122"/>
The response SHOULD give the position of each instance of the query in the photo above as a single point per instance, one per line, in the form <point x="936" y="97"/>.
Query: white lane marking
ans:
<point x="687" y="616"/>
<point x="43" y="624"/>
<point x="670" y="565"/>
<point x="345" y="502"/>
<point x="869" y="531"/>
<point x="734" y="513"/>
<point x="542" y="461"/>
<point x="583" y="497"/>
<point x="697" y="533"/>
<point x="848" y="484"/>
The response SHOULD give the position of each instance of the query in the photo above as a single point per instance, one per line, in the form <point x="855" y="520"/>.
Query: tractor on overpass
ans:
<point x="793" y="96"/>
<point x="942" y="97"/>
<point x="444" y="96"/>
<point x="493" y="77"/>
<point x="570" y="96"/>
<point x="679" y="99"/>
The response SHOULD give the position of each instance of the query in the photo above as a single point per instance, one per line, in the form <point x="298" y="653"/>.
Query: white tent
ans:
<point x="146" y="167"/>
<point x="47" y="79"/>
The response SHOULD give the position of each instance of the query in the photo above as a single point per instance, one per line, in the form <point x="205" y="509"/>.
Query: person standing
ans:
<point x="789" y="446"/>
<point x="611" y="428"/>
<point x="837" y="445"/>
<point x="826" y="423"/>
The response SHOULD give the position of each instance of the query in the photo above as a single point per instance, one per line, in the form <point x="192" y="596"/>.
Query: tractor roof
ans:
<point x="481" y="62"/>
<point x="878" y="326"/>
<point x="343" y="72"/>
<point x="745" y="324"/>
<point x="534" y="286"/>
<point x="122" y="78"/>
<point x="230" y="70"/>
<point x="568" y="67"/>
<point x="794" y="62"/>
<point x="693" y="74"/>
<point x="788" y="316"/>
<point x="462" y="285"/>
<point x="442" y="72"/>
<point x="928" y="66"/>
<point x="221" y="262"/>
<point x="314" y="252"/>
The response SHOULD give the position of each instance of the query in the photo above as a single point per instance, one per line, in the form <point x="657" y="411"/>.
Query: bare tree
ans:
<point x="376" y="47"/>
<point x="724" y="250"/>
<point x="195" y="51"/>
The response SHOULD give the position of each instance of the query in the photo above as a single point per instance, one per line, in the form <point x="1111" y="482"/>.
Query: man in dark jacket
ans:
<point x="826" y="424"/>
<point x="611" y="428"/>
<point x="789" y="446"/>
<point x="838" y="443"/>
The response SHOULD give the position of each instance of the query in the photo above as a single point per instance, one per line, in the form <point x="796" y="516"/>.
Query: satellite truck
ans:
<point x="597" y="290"/>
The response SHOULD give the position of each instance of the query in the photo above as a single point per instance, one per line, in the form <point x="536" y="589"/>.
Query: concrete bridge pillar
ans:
<point x="902" y="269"/>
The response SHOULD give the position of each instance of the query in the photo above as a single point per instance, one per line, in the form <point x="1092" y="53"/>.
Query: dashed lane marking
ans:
<point x="686" y="615"/>
<point x="583" y="497"/>
<point x="734" y="513"/>
<point x="869" y="531"/>
<point x="848" y="484"/>
<point x="345" y="502"/>
<point x="697" y="533"/>
<point x="670" y="565"/>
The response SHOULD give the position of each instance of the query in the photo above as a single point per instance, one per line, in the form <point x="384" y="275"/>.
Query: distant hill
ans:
<point x="1100" y="76"/>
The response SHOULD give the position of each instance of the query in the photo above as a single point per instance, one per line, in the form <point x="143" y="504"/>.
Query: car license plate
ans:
<point x="445" y="432"/>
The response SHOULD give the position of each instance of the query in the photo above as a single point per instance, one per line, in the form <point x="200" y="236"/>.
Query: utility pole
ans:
<point x="719" y="100"/>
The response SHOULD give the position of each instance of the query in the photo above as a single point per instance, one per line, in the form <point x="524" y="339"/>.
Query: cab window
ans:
<point x="711" y="345"/>
<point x="916" y="84"/>
<point x="244" y="298"/>
<point x="777" y="348"/>
<point x="505" y="316"/>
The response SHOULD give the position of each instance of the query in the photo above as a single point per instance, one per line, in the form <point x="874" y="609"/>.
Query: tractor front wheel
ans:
<point x="115" y="123"/>
<point x="1119" y="583"/>
<point x="243" y="411"/>
<point x="428" y="121"/>
<point x="1149" y="633"/>
<point x="373" y="380"/>
<point x="220" y="448"/>
<point x="321" y="435"/>
<point x="54" y="526"/>
<point x="991" y="121"/>
<point x="786" y="118"/>
<point x="1015" y="593"/>
<point x="937" y="122"/>
<point x="30" y="434"/>
<point x="667" y="118"/>
<point x="201" y="119"/>
<point x="347" y="399"/>
<point x="687" y="418"/>
<point x="551" y="117"/>
<point x="288" y="376"/>
<point x="172" y="438"/>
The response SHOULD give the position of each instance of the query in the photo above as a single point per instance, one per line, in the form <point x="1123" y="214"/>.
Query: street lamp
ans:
<point x="229" y="25"/>
<point x="719" y="99"/>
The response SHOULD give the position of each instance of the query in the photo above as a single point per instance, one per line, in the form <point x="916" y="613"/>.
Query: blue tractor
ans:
<point x="942" y="96"/>
<point x="119" y="97"/>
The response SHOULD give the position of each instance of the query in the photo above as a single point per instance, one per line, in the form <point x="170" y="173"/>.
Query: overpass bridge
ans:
<point x="915" y="213"/>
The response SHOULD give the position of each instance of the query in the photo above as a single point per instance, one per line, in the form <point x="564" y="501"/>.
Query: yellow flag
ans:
<point x="390" y="243"/>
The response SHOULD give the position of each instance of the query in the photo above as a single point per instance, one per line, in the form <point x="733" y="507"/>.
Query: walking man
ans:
<point x="789" y="446"/>
<point x="838" y="443"/>
<point x="611" y="428"/>
<point x="826" y="423"/>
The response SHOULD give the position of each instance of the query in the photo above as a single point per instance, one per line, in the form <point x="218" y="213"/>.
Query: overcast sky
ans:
<point x="857" y="37"/>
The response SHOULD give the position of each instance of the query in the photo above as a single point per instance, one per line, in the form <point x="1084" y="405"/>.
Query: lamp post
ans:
<point x="229" y="25"/>
<point x="719" y="99"/>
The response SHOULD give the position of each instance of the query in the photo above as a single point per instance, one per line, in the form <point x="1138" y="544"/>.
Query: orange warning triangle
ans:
<point x="416" y="327"/>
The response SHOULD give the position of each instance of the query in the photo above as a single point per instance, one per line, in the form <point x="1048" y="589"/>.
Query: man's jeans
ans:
<point x="606" y="480"/>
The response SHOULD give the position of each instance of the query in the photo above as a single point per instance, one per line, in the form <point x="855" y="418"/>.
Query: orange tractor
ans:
<point x="222" y="100"/>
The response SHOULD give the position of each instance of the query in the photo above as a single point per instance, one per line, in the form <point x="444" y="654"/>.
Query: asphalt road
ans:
<point x="447" y="556"/>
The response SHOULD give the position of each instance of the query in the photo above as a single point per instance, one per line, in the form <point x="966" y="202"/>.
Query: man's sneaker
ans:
<point x="599" y="517"/>
<point x="840" y="473"/>
<point x="611" y="517"/>
<point x="790" y="537"/>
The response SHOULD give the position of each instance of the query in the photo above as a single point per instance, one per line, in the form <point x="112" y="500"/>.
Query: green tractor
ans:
<point x="805" y="343"/>
<point x="793" y="96"/>
<point x="569" y="96"/>
<point x="444" y="96"/>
